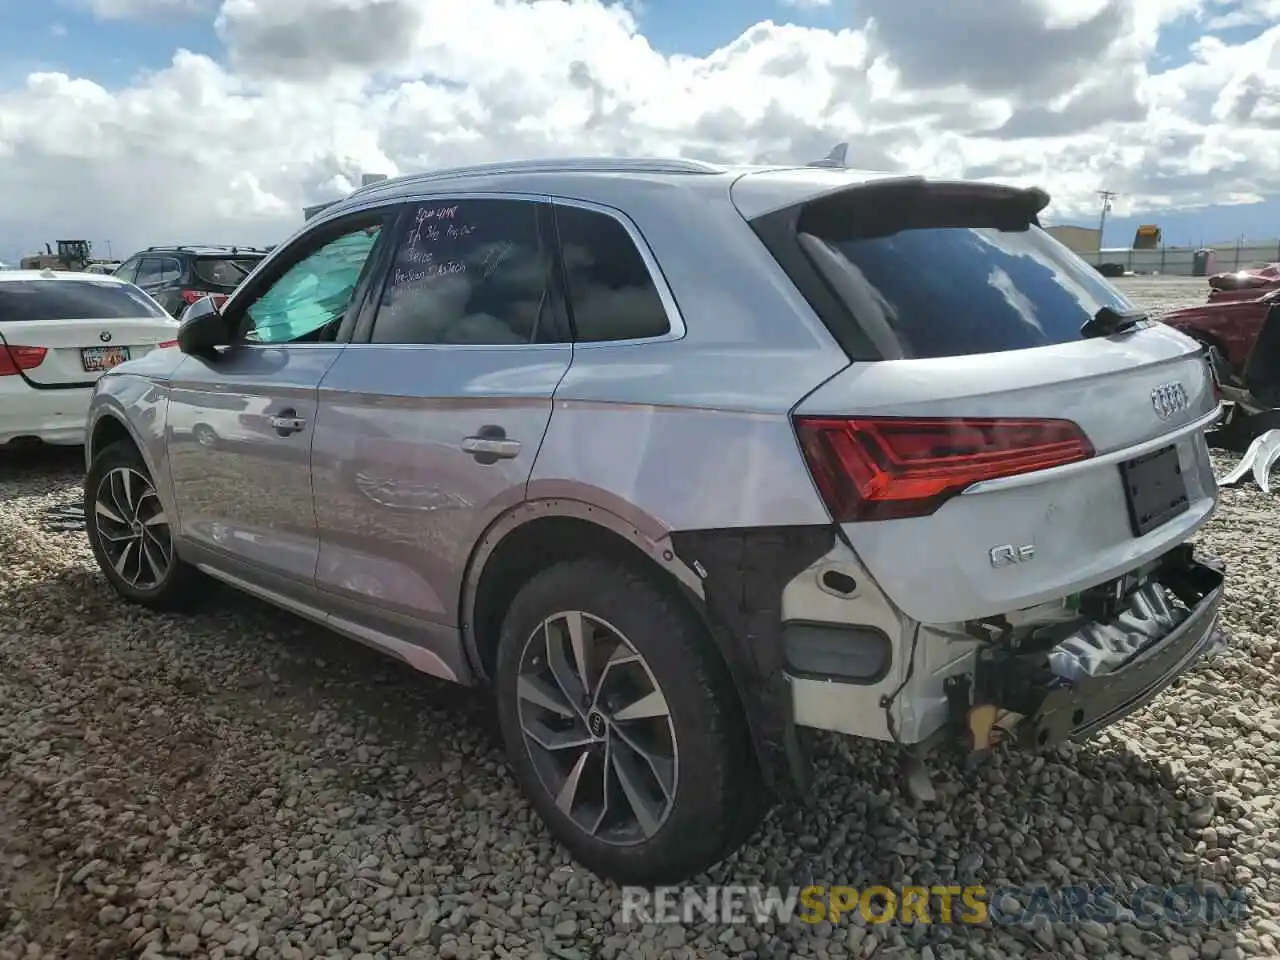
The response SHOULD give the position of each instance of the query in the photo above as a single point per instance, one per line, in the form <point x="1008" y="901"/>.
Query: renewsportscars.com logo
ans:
<point x="1182" y="905"/>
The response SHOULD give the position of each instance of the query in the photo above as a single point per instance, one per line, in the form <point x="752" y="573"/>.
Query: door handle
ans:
<point x="491" y="444"/>
<point x="287" y="422"/>
<point x="502" y="449"/>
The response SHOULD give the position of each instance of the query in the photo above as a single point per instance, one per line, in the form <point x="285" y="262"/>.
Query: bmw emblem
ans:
<point x="105" y="336"/>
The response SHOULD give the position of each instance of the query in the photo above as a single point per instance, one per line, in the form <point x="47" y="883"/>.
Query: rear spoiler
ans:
<point x="884" y="207"/>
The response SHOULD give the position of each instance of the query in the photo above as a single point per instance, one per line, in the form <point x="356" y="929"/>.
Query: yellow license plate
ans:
<point x="98" y="359"/>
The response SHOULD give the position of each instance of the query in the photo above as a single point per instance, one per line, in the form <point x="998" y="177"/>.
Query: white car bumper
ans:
<point x="54" y="416"/>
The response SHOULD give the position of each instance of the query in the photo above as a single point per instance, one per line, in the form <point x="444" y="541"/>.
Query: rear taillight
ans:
<point x="167" y="343"/>
<point x="887" y="468"/>
<point x="191" y="296"/>
<point x="13" y="359"/>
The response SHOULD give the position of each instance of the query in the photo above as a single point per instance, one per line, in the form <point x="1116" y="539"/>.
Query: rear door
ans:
<point x="984" y="452"/>
<point x="428" y="428"/>
<point x="67" y="332"/>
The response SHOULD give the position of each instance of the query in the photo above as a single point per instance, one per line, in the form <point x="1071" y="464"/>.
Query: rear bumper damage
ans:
<point x="1032" y="678"/>
<point x="813" y="642"/>
<point x="1102" y="672"/>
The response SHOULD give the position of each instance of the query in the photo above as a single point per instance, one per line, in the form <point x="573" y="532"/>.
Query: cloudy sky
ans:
<point x="152" y="121"/>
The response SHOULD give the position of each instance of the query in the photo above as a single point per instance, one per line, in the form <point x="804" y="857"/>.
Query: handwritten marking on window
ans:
<point x="494" y="257"/>
<point x="401" y="276"/>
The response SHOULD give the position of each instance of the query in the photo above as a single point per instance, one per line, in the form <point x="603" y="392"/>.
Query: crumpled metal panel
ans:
<point x="1258" y="460"/>
<point x="1099" y="648"/>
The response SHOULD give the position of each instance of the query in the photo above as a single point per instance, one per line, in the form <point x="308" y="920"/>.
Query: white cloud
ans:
<point x="312" y="92"/>
<point x="145" y="9"/>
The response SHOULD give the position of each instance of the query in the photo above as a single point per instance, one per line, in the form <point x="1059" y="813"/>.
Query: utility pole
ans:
<point x="1107" y="196"/>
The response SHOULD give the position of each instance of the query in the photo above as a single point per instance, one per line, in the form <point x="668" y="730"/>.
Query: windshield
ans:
<point x="74" y="300"/>
<point x="955" y="291"/>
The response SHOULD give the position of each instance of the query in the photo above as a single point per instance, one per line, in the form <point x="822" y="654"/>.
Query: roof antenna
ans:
<point x="833" y="159"/>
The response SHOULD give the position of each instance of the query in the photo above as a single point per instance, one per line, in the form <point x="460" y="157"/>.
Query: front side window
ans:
<point x="310" y="300"/>
<point x="149" y="272"/>
<point x="612" y="295"/>
<point x="467" y="272"/>
<point x="127" y="270"/>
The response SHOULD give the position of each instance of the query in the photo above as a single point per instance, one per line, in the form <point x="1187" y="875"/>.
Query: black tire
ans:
<point x="177" y="589"/>
<point x="716" y="767"/>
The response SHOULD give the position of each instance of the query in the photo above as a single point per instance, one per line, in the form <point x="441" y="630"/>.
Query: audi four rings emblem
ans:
<point x="1169" y="398"/>
<point x="105" y="336"/>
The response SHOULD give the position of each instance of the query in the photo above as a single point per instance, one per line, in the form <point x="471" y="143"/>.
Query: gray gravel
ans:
<point x="239" y="783"/>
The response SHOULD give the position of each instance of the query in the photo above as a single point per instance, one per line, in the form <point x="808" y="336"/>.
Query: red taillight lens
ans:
<point x="887" y="468"/>
<point x="13" y="359"/>
<point x="167" y="343"/>
<point x="191" y="296"/>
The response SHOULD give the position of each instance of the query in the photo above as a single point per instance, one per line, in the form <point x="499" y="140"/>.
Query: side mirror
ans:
<point x="203" y="328"/>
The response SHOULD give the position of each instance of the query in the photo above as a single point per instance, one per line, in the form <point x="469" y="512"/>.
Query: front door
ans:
<point x="429" y="428"/>
<point x="240" y="426"/>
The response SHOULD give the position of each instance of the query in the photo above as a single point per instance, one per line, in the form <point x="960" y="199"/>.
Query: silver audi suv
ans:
<point x="681" y="460"/>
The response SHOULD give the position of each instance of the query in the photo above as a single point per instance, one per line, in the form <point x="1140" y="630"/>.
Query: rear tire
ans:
<point x="658" y="815"/>
<point x="130" y="533"/>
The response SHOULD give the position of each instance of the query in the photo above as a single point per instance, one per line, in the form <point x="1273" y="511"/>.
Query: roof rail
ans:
<point x="233" y="247"/>
<point x="549" y="165"/>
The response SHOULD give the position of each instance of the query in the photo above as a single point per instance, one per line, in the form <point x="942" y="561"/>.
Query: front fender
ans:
<point x="139" y="406"/>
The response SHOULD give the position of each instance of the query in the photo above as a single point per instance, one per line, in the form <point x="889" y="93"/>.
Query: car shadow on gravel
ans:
<point x="1079" y="815"/>
<point x="39" y="458"/>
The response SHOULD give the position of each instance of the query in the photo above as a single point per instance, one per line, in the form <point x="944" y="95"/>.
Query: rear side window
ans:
<point x="468" y="272"/>
<point x="954" y="291"/>
<point x="73" y="300"/>
<point x="223" y="271"/>
<point x="612" y="295"/>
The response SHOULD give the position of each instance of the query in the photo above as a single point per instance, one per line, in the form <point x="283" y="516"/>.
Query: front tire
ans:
<point x="130" y="532"/>
<point x="621" y="723"/>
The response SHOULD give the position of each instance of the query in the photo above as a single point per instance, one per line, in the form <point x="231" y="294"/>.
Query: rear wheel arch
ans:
<point x="539" y="533"/>
<point x="536" y="534"/>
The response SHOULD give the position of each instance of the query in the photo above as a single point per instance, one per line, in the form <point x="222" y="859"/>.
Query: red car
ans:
<point x="1244" y="284"/>
<point x="1244" y="337"/>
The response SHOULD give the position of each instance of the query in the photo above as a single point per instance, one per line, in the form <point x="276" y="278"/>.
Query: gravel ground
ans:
<point x="240" y="783"/>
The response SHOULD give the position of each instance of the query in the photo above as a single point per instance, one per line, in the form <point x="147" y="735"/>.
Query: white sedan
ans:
<point x="59" y="332"/>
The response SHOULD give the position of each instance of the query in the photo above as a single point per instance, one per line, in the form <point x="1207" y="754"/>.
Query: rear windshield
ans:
<point x="224" y="271"/>
<point x="74" y="300"/>
<point x="955" y="291"/>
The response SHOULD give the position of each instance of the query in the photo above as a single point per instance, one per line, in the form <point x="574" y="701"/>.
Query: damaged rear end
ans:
<point x="1015" y="458"/>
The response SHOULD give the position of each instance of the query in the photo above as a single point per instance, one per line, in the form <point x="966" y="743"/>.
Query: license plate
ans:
<point x="1154" y="489"/>
<point x="98" y="359"/>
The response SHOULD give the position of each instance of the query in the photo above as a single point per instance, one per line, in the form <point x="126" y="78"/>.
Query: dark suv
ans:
<point x="180" y="275"/>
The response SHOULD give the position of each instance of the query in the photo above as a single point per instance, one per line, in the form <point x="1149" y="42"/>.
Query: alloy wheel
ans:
<point x="597" y="728"/>
<point x="132" y="527"/>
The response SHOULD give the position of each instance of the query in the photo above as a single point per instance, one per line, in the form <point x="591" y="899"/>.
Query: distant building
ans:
<point x="311" y="211"/>
<point x="365" y="180"/>
<point x="1082" y="241"/>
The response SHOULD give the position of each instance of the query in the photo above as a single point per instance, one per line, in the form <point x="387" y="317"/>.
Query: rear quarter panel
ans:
<point x="670" y="437"/>
<point x="694" y="433"/>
